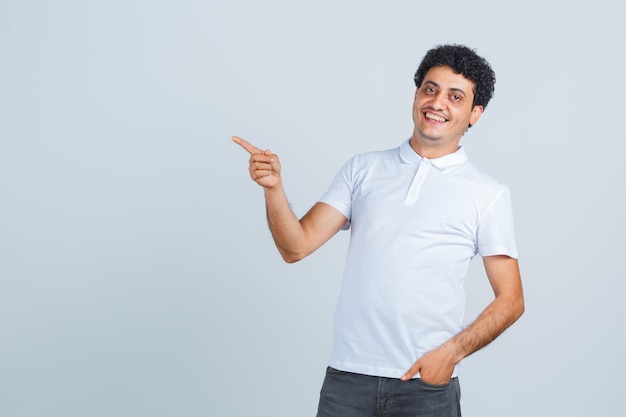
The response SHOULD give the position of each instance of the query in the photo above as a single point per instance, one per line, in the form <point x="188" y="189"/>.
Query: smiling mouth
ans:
<point x="435" y="117"/>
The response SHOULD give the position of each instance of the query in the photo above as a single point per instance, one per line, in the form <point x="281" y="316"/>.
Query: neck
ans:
<point x="432" y="150"/>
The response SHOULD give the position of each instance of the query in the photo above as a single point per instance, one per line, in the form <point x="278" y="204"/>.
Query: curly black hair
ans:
<point x="462" y="60"/>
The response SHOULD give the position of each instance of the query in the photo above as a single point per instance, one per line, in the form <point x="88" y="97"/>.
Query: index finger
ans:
<point x="246" y="145"/>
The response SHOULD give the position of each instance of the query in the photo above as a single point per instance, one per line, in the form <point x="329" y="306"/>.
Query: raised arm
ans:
<point x="295" y="239"/>
<point x="437" y="365"/>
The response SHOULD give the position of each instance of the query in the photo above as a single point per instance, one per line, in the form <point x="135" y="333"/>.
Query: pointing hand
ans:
<point x="264" y="165"/>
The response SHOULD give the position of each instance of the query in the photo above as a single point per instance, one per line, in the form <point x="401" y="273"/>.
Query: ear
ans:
<point x="477" y="111"/>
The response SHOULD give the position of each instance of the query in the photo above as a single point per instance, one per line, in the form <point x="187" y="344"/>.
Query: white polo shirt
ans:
<point x="415" y="225"/>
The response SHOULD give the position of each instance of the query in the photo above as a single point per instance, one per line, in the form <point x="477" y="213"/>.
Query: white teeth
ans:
<point x="435" y="117"/>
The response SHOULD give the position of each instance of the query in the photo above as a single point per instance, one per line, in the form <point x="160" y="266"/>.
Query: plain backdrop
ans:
<point x="137" y="274"/>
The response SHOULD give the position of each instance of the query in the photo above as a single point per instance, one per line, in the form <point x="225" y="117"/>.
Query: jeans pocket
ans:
<point x="435" y="386"/>
<point x="332" y="371"/>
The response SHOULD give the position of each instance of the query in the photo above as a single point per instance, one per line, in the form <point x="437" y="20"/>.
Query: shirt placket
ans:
<point x="418" y="180"/>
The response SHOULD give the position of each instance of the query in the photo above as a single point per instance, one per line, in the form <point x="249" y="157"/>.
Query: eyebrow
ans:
<point x="434" y="84"/>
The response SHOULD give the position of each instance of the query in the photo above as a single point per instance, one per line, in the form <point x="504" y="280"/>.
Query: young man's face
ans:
<point x="442" y="111"/>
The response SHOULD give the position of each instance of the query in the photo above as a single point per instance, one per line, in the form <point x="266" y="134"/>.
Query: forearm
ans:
<point x="437" y="365"/>
<point x="285" y="227"/>
<point x="494" y="320"/>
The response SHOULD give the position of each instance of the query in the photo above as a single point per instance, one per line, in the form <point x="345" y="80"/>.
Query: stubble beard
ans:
<point x="427" y="139"/>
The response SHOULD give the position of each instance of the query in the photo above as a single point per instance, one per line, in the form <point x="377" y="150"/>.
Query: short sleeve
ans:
<point x="339" y="193"/>
<point x="496" y="232"/>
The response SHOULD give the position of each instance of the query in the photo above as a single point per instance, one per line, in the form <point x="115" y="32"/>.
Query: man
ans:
<point x="418" y="214"/>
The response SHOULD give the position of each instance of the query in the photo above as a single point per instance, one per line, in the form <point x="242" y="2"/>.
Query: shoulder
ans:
<point x="373" y="157"/>
<point x="479" y="184"/>
<point x="479" y="176"/>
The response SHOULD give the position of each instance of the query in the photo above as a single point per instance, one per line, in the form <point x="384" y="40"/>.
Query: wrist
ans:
<point x="274" y="188"/>
<point x="454" y="351"/>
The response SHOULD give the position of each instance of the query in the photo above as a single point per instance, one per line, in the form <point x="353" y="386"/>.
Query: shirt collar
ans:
<point x="409" y="156"/>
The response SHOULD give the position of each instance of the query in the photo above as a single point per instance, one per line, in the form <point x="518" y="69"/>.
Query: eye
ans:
<point x="456" y="98"/>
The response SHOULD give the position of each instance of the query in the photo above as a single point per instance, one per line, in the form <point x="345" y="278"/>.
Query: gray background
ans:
<point x="137" y="275"/>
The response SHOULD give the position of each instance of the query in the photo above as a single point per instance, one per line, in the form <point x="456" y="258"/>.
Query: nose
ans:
<point x="438" y="101"/>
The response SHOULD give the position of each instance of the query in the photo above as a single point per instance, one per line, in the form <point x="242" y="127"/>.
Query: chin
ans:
<point x="428" y="138"/>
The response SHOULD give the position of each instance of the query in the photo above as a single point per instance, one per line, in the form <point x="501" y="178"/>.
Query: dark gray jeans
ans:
<point x="345" y="394"/>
